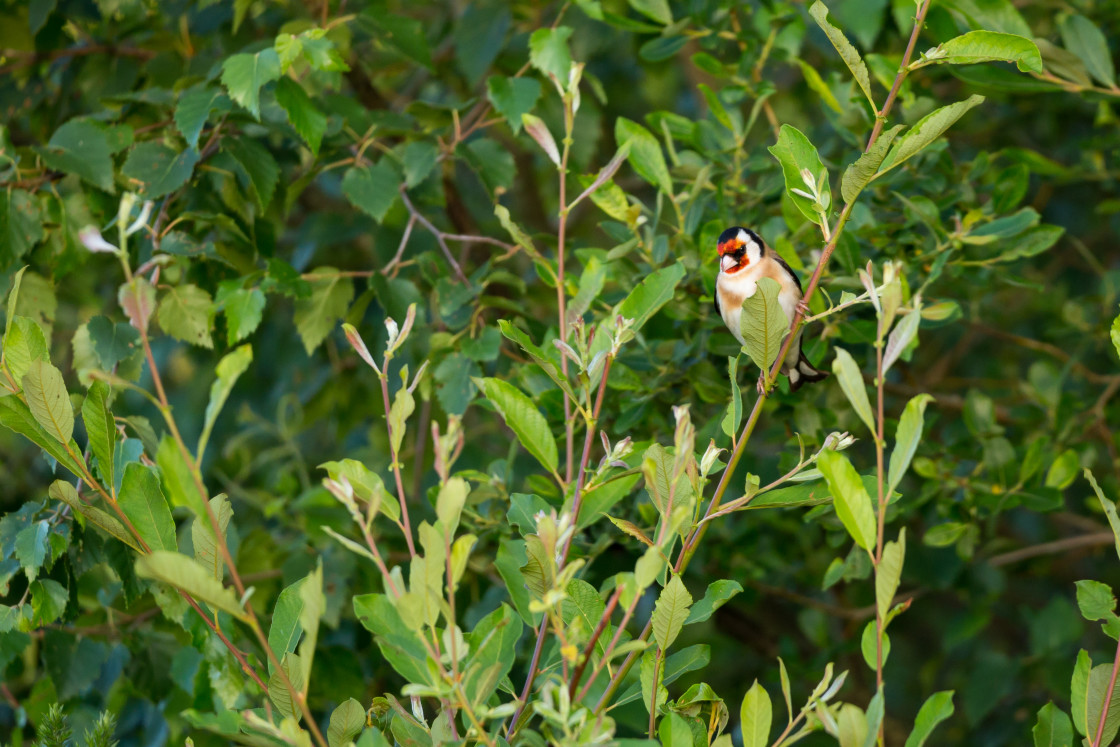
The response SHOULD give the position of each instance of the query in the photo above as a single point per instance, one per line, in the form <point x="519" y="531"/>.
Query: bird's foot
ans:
<point x="803" y="308"/>
<point x="761" y="386"/>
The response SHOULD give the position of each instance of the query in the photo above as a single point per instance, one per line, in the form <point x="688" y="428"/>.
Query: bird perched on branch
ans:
<point x="744" y="259"/>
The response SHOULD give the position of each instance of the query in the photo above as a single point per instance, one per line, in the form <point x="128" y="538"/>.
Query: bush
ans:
<point x="361" y="381"/>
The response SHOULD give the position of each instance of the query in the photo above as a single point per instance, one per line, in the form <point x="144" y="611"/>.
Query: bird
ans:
<point x="744" y="259"/>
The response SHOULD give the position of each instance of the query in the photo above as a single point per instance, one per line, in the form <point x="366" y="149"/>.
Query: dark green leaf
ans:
<point x="158" y="169"/>
<point x="81" y="148"/>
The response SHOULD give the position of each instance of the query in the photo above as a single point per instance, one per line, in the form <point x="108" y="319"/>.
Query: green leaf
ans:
<point x="540" y="133"/>
<point x="1079" y="692"/>
<point x="493" y="650"/>
<point x="244" y="74"/>
<point x="346" y="723"/>
<point x="21" y="224"/>
<point x="1107" y="506"/>
<point x="1095" y="600"/>
<point x="674" y="731"/>
<point x="869" y="645"/>
<point x="509" y="561"/>
<point x="796" y="154"/>
<point x="763" y="324"/>
<point x="906" y="439"/>
<point x="523" y="418"/>
<point x="901" y="337"/>
<point x="1053" y="728"/>
<point x="319" y="313"/>
<point x="143" y="503"/>
<point x="645" y="153"/>
<point x="229" y="370"/>
<point x="194" y="109"/>
<point x="244" y="308"/>
<point x="305" y="117"/>
<point x="513" y="97"/>
<point x="1085" y="39"/>
<point x="160" y="170"/>
<point x="928" y="129"/>
<point x="259" y="165"/>
<point x="31" y="546"/>
<point x="734" y="416"/>
<point x="889" y="573"/>
<point x="399" y="644"/>
<point x="15" y="415"/>
<point x="755" y="714"/>
<point x="548" y="53"/>
<point x="65" y="492"/>
<point x="851" y="382"/>
<point x="24" y="343"/>
<point x="860" y="173"/>
<point x="404" y="34"/>
<point x="551" y="369"/>
<point x="988" y="46"/>
<point x="278" y="691"/>
<point x="371" y="189"/>
<point x="187" y="313"/>
<point x="284" y="633"/>
<point x="205" y="541"/>
<point x="848" y="53"/>
<point x="112" y="343"/>
<point x="81" y="148"/>
<point x="718" y="594"/>
<point x="850" y="498"/>
<point x="419" y="159"/>
<point x="936" y="709"/>
<point x="657" y="10"/>
<point x="1095" y="694"/>
<point x="100" y="429"/>
<point x="648" y="296"/>
<point x="314" y="603"/>
<point x="176" y="569"/>
<point x="670" y="612"/>
<point x="48" y="400"/>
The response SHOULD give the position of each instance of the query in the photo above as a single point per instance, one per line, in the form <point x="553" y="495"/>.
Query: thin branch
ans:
<point x="1108" y="697"/>
<point x="440" y="236"/>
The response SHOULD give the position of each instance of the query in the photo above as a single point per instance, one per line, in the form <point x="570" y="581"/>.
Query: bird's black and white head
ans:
<point x="739" y="248"/>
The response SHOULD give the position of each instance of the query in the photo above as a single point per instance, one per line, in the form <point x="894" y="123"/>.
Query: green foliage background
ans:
<point x="314" y="164"/>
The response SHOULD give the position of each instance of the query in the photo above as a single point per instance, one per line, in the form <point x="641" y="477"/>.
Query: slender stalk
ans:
<point x="880" y="623"/>
<point x="524" y="699"/>
<point x="587" y="651"/>
<point x="903" y="69"/>
<point x="1108" y="697"/>
<point x="561" y="300"/>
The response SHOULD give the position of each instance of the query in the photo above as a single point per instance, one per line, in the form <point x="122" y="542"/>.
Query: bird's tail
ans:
<point x="803" y="371"/>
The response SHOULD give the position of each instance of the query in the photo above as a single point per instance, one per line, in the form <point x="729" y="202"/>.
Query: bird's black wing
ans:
<point x="715" y="301"/>
<point x="789" y="270"/>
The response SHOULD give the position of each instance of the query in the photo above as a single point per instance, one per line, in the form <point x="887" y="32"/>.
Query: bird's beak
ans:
<point x="727" y="263"/>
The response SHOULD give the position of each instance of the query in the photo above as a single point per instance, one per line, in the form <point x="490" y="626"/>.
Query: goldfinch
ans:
<point x="744" y="259"/>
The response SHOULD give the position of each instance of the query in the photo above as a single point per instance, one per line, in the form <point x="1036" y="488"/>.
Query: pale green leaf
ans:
<point x="1053" y="728"/>
<point x="314" y="604"/>
<point x="548" y="52"/>
<point x="796" y="154"/>
<point x="989" y="46"/>
<point x="928" y="129"/>
<point x="850" y="498"/>
<point x="901" y="337"/>
<point x="523" y="418"/>
<point x="346" y="723"/>
<point x="24" y="343"/>
<point x="65" y="492"/>
<point x="755" y="714"/>
<point x="513" y="97"/>
<point x="100" y="429"/>
<point x="851" y="382"/>
<point x="158" y="169"/>
<point x="278" y="690"/>
<point x="848" y="53"/>
<point x="372" y="189"/>
<point x="205" y="542"/>
<point x="229" y="370"/>
<point x="187" y="313"/>
<point x="936" y="709"/>
<point x="718" y="594"/>
<point x="305" y="117"/>
<point x="1109" y="508"/>
<point x="245" y="74"/>
<point x="860" y="173"/>
<point x="48" y="400"/>
<point x="285" y="630"/>
<point x="763" y="324"/>
<point x="80" y="147"/>
<point x="670" y="612"/>
<point x="906" y="439"/>
<point x="401" y="409"/>
<point x="185" y="574"/>
<point x="889" y="572"/>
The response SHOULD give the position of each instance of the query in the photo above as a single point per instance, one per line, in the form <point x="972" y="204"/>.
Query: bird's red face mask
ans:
<point x="733" y="255"/>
